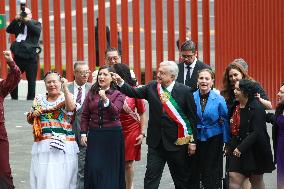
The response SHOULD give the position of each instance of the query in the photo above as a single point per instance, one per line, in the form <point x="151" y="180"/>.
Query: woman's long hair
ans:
<point x="96" y="87"/>
<point x="124" y="72"/>
<point x="227" y="90"/>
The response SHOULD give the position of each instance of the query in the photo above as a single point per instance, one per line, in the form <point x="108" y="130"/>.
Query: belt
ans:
<point x="49" y="137"/>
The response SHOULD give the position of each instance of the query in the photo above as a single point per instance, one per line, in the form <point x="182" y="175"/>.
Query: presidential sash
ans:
<point x="177" y="115"/>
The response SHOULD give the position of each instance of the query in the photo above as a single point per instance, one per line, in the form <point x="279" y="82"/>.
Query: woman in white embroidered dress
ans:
<point x="54" y="152"/>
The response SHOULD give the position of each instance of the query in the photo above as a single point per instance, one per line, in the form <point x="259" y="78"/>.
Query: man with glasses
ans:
<point x="26" y="48"/>
<point x="79" y="88"/>
<point x="189" y="65"/>
<point x="111" y="57"/>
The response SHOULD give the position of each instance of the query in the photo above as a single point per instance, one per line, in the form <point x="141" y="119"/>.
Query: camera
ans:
<point x="22" y="7"/>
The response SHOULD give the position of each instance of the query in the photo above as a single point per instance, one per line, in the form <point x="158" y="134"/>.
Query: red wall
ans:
<point x="253" y="30"/>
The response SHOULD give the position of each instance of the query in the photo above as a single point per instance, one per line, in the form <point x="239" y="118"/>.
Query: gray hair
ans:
<point x="242" y="62"/>
<point x="78" y="63"/>
<point x="173" y="67"/>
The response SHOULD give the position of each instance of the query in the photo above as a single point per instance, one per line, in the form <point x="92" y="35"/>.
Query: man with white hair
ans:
<point x="171" y="127"/>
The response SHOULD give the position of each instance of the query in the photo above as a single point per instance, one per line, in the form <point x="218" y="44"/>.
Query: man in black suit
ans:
<point x="28" y="31"/>
<point x="165" y="142"/>
<point x="189" y="65"/>
<point x="79" y="88"/>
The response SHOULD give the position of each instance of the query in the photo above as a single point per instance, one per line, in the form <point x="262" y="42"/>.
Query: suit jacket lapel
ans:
<point x="174" y="91"/>
<point x="71" y="88"/>
<point x="181" y="73"/>
<point x="194" y="73"/>
<point x="87" y="88"/>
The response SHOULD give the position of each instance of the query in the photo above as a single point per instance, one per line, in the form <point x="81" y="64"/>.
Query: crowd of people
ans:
<point x="88" y="135"/>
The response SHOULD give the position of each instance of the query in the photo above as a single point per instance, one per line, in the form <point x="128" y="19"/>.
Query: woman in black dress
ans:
<point x="249" y="152"/>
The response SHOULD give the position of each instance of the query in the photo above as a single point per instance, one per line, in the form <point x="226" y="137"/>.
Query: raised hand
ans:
<point x="8" y="56"/>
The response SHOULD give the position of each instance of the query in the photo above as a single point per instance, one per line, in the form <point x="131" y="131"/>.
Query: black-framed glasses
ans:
<point x="113" y="58"/>
<point x="187" y="56"/>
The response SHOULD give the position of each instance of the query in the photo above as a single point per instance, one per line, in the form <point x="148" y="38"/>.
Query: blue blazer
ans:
<point x="209" y="124"/>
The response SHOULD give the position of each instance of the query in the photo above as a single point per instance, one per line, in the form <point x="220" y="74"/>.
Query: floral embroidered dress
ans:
<point x="54" y="152"/>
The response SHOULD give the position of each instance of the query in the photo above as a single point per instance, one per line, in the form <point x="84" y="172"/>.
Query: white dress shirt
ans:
<point x="191" y="70"/>
<point x="78" y="106"/>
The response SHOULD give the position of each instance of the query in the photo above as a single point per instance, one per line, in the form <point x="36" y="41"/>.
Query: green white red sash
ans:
<point x="177" y="115"/>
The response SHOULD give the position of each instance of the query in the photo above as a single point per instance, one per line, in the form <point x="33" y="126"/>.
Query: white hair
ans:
<point x="173" y="67"/>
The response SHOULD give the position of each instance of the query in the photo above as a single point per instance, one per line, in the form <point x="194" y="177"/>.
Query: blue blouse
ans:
<point x="210" y="124"/>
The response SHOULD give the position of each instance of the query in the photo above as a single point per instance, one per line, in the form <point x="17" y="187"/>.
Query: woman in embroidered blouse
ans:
<point x="132" y="120"/>
<point x="54" y="152"/>
<point x="212" y="129"/>
<point x="249" y="152"/>
<point x="104" y="166"/>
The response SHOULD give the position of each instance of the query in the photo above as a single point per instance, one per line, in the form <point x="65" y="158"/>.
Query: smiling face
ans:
<point x="104" y="78"/>
<point x="205" y="82"/>
<point x="234" y="76"/>
<point x="53" y="84"/>
<point x="280" y="95"/>
<point x="239" y="96"/>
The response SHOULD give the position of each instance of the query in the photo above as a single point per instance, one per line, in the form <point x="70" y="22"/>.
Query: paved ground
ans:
<point x="21" y="139"/>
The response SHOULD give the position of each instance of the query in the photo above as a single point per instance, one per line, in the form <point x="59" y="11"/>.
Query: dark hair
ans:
<point x="248" y="88"/>
<point x="227" y="90"/>
<point x="110" y="49"/>
<point x="51" y="72"/>
<point x="280" y="107"/>
<point x="96" y="87"/>
<point x="124" y="72"/>
<point x="188" y="45"/>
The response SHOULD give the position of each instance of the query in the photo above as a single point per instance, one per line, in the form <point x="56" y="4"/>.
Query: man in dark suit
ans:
<point x="79" y="88"/>
<point x="166" y="142"/>
<point x="189" y="65"/>
<point x="28" y="30"/>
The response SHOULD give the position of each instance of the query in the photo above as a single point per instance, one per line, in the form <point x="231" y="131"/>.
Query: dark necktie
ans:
<point x="187" y="75"/>
<point x="79" y="95"/>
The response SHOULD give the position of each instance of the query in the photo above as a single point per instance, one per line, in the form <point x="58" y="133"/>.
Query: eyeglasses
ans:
<point x="188" y="56"/>
<point x="85" y="72"/>
<point x="115" y="58"/>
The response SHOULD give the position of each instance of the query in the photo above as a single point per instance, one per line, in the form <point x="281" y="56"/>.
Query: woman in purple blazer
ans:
<point x="101" y="132"/>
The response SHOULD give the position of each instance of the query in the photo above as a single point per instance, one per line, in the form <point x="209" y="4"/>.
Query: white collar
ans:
<point x="77" y="86"/>
<point x="171" y="86"/>
<point x="192" y="65"/>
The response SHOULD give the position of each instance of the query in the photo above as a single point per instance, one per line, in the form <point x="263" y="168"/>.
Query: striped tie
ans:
<point x="79" y="95"/>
